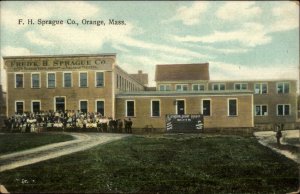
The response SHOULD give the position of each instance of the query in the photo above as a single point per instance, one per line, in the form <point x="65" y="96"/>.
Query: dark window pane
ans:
<point x="68" y="80"/>
<point x="286" y="88"/>
<point x="286" y="110"/>
<point x="35" y="81"/>
<point x="19" y="107"/>
<point x="83" y="79"/>
<point x="280" y="109"/>
<point x="100" y="79"/>
<point x="51" y="80"/>
<point x="130" y="108"/>
<point x="100" y="107"/>
<point x="257" y="110"/>
<point x="19" y="80"/>
<point x="206" y="107"/>
<point x="36" y="107"/>
<point x="83" y="106"/>
<point x="155" y="108"/>
<point x="264" y="110"/>
<point x="232" y="108"/>
<point x="222" y="86"/>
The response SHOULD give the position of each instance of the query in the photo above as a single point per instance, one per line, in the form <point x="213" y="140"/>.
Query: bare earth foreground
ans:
<point x="268" y="138"/>
<point x="82" y="142"/>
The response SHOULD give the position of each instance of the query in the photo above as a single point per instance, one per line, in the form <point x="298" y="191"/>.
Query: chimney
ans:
<point x="140" y="72"/>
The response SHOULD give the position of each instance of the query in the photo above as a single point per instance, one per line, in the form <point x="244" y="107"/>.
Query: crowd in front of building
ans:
<point x="64" y="120"/>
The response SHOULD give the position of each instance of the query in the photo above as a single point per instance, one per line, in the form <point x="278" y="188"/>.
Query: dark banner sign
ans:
<point x="184" y="122"/>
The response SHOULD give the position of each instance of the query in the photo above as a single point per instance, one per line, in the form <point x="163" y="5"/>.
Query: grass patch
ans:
<point x="165" y="164"/>
<point x="12" y="142"/>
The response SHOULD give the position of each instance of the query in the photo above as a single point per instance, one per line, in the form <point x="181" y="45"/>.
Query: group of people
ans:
<point x="69" y="119"/>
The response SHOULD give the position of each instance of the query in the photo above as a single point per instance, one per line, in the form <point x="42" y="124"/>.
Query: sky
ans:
<point x="239" y="40"/>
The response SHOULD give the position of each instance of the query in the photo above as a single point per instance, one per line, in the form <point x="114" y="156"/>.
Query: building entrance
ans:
<point x="60" y="104"/>
<point x="180" y="107"/>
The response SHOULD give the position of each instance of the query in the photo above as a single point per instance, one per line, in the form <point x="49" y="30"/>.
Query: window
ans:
<point x="260" y="88"/>
<point x="100" y="107"/>
<point x="206" y="107"/>
<point x="164" y="87"/>
<point x="198" y="87"/>
<point x="83" y="79"/>
<point x="261" y="110"/>
<point x="283" y="109"/>
<point x="117" y="81"/>
<point x="19" y="107"/>
<point x="51" y="80"/>
<point x="155" y="108"/>
<point x="83" y="106"/>
<point x="35" y="106"/>
<point x="240" y="86"/>
<point x="130" y="108"/>
<point x="67" y="80"/>
<point x="99" y="79"/>
<point x="232" y="107"/>
<point x="35" y="80"/>
<point x="218" y="86"/>
<point x="19" y="81"/>
<point x="283" y="88"/>
<point x="181" y="87"/>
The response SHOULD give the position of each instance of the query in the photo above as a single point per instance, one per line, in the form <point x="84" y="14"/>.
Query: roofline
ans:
<point x="252" y="80"/>
<point x="55" y="56"/>
<point x="129" y="75"/>
<point x="185" y="93"/>
<point x="205" y="63"/>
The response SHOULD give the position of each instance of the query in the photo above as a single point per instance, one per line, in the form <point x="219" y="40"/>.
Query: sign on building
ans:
<point x="185" y="122"/>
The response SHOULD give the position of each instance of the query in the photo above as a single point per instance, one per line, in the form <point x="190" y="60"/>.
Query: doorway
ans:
<point x="180" y="107"/>
<point x="59" y="103"/>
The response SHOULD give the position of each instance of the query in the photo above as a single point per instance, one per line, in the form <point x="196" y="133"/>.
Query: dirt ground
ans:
<point x="290" y="143"/>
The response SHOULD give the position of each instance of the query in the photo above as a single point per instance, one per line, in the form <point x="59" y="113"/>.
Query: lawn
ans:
<point x="162" y="163"/>
<point x="12" y="142"/>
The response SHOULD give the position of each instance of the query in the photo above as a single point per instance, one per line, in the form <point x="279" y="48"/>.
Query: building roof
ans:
<point x="141" y="77"/>
<point x="60" y="56"/>
<point x="180" y="72"/>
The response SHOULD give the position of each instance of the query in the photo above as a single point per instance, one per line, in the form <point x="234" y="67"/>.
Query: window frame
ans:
<point x="261" y="88"/>
<point x="87" y="79"/>
<point x="39" y="76"/>
<point x="241" y="84"/>
<point x="100" y="100"/>
<point x="65" y="72"/>
<point x="198" y="87"/>
<point x="181" y="87"/>
<point x="87" y="105"/>
<point x="39" y="101"/>
<point x="22" y="79"/>
<point x="228" y="107"/>
<point x="283" y="110"/>
<point x="210" y="107"/>
<point x="219" y="86"/>
<point x="103" y="85"/>
<point x="126" y="109"/>
<point x="261" y="105"/>
<point x="283" y="87"/>
<point x="48" y="79"/>
<point x="164" y="86"/>
<point x="151" y="108"/>
<point x="23" y="102"/>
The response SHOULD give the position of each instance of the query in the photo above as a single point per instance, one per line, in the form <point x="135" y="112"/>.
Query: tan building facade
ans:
<point x="95" y="83"/>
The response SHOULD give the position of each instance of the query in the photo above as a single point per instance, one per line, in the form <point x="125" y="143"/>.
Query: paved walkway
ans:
<point x="268" y="138"/>
<point x="82" y="142"/>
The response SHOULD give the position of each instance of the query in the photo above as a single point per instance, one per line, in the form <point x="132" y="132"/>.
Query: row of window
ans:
<point x="60" y="105"/>
<point x="259" y="88"/>
<point x="260" y="110"/>
<point x="67" y="80"/>
<point x="282" y="110"/>
<point x="124" y="84"/>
